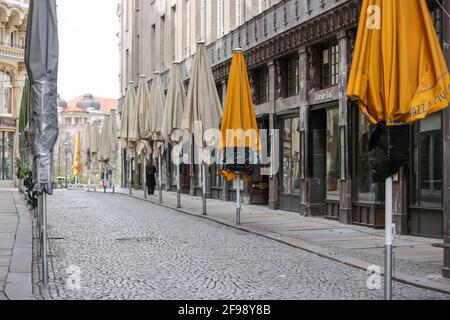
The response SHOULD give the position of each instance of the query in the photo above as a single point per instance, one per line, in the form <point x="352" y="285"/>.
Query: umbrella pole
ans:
<point x="179" y="184"/>
<point x="43" y="203"/>
<point x="204" y="189"/>
<point x="160" y="178"/>
<point x="238" y="200"/>
<point x="130" y="175"/>
<point x="388" y="268"/>
<point x="113" y="180"/>
<point x="145" y="178"/>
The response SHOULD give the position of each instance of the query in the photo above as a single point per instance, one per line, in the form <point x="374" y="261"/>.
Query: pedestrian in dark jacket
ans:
<point x="151" y="178"/>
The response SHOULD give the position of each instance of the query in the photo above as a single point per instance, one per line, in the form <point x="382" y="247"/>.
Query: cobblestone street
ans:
<point x="131" y="249"/>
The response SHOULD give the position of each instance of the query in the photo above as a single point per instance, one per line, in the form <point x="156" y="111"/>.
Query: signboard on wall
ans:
<point x="8" y="124"/>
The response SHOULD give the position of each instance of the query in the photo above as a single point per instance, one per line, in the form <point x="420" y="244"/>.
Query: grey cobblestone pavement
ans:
<point x="130" y="249"/>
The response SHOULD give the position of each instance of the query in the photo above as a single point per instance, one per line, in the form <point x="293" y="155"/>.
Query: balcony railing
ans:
<point x="10" y="52"/>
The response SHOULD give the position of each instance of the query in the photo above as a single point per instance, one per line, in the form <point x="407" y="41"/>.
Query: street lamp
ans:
<point x="66" y="149"/>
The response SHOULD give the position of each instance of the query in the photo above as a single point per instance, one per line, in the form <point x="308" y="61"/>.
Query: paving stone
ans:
<point x="123" y="248"/>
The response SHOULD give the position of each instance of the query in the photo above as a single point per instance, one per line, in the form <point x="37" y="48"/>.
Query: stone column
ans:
<point x="345" y="206"/>
<point x="273" y="180"/>
<point x="446" y="135"/>
<point x="304" y="181"/>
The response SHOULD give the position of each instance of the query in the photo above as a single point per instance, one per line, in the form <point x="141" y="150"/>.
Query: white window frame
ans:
<point x="220" y="31"/>
<point x="203" y="20"/>
<point x="262" y="5"/>
<point x="240" y="12"/>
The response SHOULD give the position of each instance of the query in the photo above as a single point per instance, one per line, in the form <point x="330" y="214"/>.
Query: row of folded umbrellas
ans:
<point x="150" y="120"/>
<point x="98" y="146"/>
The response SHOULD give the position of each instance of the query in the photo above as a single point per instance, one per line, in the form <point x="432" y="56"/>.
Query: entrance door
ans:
<point x="290" y="164"/>
<point x="325" y="193"/>
<point x="6" y="155"/>
<point x="332" y="164"/>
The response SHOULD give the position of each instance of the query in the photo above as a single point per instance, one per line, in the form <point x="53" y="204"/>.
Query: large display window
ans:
<point x="333" y="156"/>
<point x="365" y="190"/>
<point x="427" y="163"/>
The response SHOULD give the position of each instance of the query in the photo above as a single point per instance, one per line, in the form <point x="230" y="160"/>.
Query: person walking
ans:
<point x="151" y="178"/>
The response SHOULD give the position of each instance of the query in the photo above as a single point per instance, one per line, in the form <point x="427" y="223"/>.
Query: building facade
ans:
<point x="13" y="24"/>
<point x="73" y="118"/>
<point x="299" y="54"/>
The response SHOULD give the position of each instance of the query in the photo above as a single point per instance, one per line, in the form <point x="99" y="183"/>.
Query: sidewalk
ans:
<point x="15" y="248"/>
<point x="417" y="262"/>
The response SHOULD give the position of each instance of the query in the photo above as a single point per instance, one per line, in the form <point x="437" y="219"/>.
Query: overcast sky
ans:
<point x="89" y="54"/>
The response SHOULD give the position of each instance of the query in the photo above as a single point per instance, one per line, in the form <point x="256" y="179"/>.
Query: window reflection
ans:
<point x="427" y="167"/>
<point x="366" y="191"/>
<point x="333" y="154"/>
<point x="291" y="156"/>
<point x="6" y="152"/>
<point x="5" y="93"/>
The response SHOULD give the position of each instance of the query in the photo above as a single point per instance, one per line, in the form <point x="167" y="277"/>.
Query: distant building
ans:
<point x="13" y="24"/>
<point x="73" y="116"/>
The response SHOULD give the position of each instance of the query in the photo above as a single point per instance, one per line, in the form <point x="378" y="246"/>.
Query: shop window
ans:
<point x="5" y="93"/>
<point x="216" y="177"/>
<point x="333" y="142"/>
<point x="290" y="156"/>
<point x="427" y="163"/>
<point x="6" y="155"/>
<point x="172" y="166"/>
<point x="260" y="182"/>
<point x="366" y="191"/>
<point x="330" y="65"/>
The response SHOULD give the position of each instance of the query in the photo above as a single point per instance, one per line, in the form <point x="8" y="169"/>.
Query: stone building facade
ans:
<point x="13" y="24"/>
<point x="73" y="117"/>
<point x="299" y="54"/>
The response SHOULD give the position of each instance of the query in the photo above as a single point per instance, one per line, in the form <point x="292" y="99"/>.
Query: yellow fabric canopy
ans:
<point x="77" y="156"/>
<point x="239" y="112"/>
<point x="399" y="74"/>
<point x="239" y="125"/>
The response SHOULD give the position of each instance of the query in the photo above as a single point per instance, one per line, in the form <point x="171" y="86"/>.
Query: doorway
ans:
<point x="325" y="175"/>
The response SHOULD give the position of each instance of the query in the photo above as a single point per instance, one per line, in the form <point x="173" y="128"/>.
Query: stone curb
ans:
<point x="310" y="247"/>
<point x="19" y="284"/>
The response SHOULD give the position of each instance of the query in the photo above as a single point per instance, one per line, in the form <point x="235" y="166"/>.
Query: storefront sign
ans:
<point x="8" y="124"/>
<point x="325" y="95"/>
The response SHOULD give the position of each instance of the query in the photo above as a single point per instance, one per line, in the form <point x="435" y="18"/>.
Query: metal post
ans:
<point x="113" y="180"/>
<point x="66" y="172"/>
<point x="204" y="189"/>
<point x="179" y="184"/>
<point x="44" y="239"/>
<point x="130" y="176"/>
<point x="160" y="178"/>
<point x="238" y="200"/>
<point x="145" y="178"/>
<point x="388" y="268"/>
